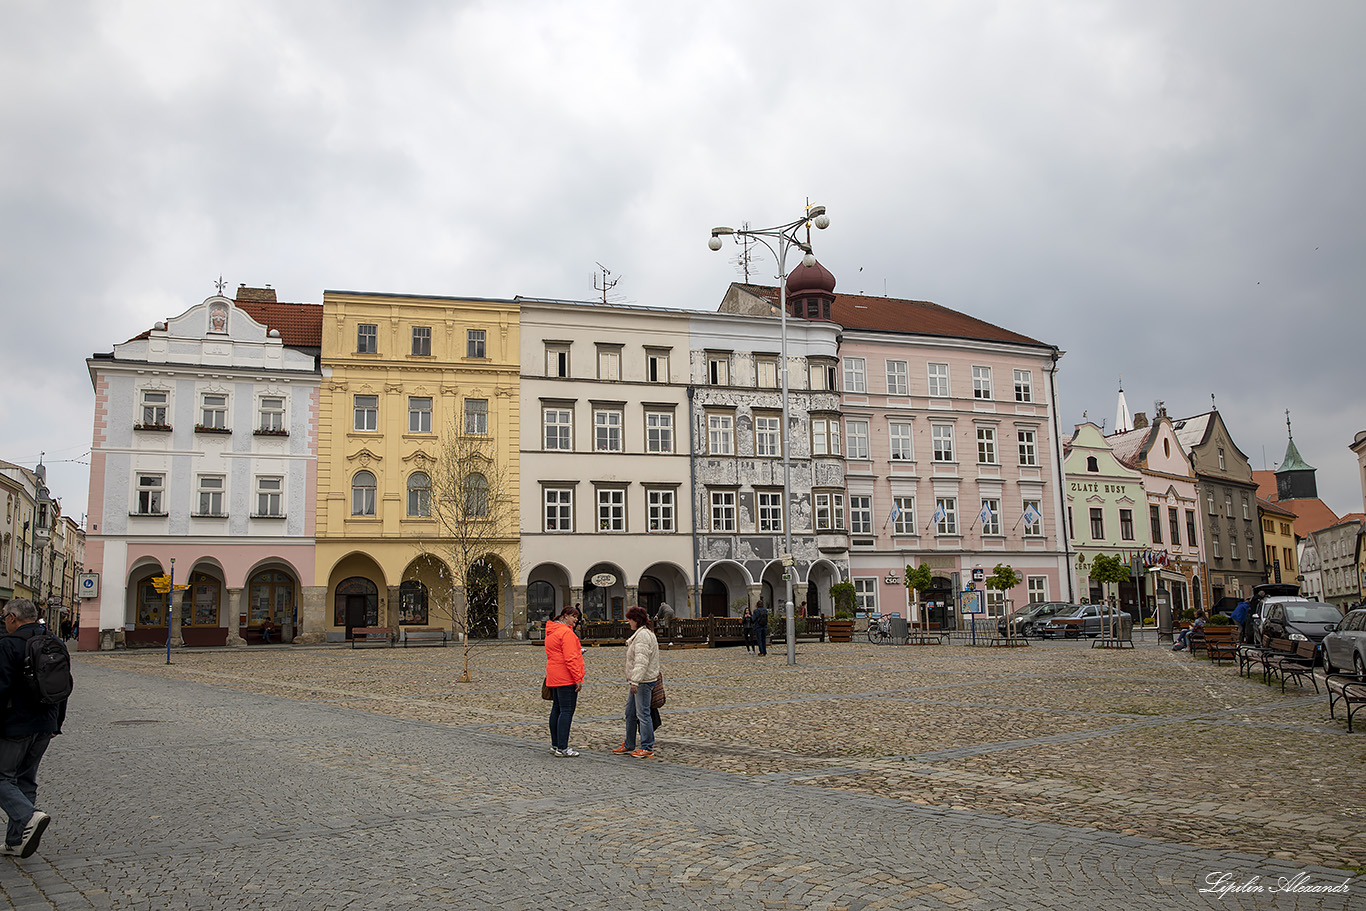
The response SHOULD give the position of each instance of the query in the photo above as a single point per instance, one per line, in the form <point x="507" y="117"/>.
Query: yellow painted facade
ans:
<point x="401" y="372"/>
<point x="1278" y="537"/>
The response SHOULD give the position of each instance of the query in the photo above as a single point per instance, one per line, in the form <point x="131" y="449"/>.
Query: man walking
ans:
<point x="761" y="627"/>
<point x="34" y="706"/>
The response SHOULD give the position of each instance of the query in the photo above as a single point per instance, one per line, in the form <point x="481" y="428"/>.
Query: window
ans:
<point x="1126" y="524"/>
<point x="996" y="602"/>
<point x="659" y="431"/>
<point x="1247" y="514"/>
<point x="1285" y="529"/>
<point x="1038" y="588"/>
<point x="1190" y="527"/>
<point x="659" y="505"/>
<point x="723" y="511"/>
<point x="770" y="508"/>
<point x="559" y="509"/>
<point x="609" y="362"/>
<point x="556" y="359"/>
<point x="939" y="380"/>
<point x="718" y="369"/>
<point x="419" y="495"/>
<point x="211" y="495"/>
<point x="1210" y="497"/>
<point x="903" y="516"/>
<point x="422" y="341"/>
<point x="1092" y="463"/>
<point x="1221" y="458"/>
<point x="269" y="495"/>
<point x="367" y="412"/>
<point x="857" y="434"/>
<point x="559" y="426"/>
<point x="860" y="515"/>
<point x="474" y="343"/>
<point x="1268" y="526"/>
<point x="1174" y="524"/>
<point x="768" y="435"/>
<point x="476" y="495"/>
<point x="1228" y="505"/>
<point x="942" y="434"/>
<point x="1024" y="386"/>
<point x="1214" y="546"/>
<point x="656" y="365"/>
<point x="363" y="494"/>
<point x="829" y="511"/>
<point x="1029" y="453"/>
<point x="981" y="383"/>
<point x="154" y="407"/>
<point x="1251" y="552"/>
<point x="272" y="414"/>
<point x="214" y="412"/>
<point x="822" y="376"/>
<point x="720" y="434"/>
<point x="420" y="414"/>
<point x="1097" y="524"/>
<point x="865" y="594"/>
<point x="825" y="436"/>
<point x="367" y="338"/>
<point x="1154" y="523"/>
<point x="898" y="378"/>
<point x="855" y="374"/>
<point x="607" y="430"/>
<point x="990" y="516"/>
<point x="899" y="441"/>
<point x="1033" y="519"/>
<point x="412" y="603"/>
<point x="766" y="372"/>
<point x="986" y="445"/>
<point x="946" y="515"/>
<point x="149" y="494"/>
<point x="477" y="416"/>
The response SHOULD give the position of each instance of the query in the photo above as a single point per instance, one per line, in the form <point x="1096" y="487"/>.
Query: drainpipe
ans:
<point x="692" y="477"/>
<point x="1062" y="483"/>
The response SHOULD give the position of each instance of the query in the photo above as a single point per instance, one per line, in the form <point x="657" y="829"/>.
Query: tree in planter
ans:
<point x="844" y="596"/>
<point x="1110" y="570"/>
<point x="919" y="580"/>
<point x="1002" y="579"/>
<point x="474" y="536"/>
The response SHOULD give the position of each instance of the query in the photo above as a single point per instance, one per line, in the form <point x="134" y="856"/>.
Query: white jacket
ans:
<point x="642" y="657"/>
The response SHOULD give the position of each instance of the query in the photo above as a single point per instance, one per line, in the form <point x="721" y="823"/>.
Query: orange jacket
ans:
<point x="563" y="655"/>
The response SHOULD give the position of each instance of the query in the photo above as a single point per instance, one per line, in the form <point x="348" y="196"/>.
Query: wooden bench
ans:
<point x="1288" y="659"/>
<point x="372" y="635"/>
<point x="1347" y="689"/>
<point x="424" y="636"/>
<point x="1250" y="656"/>
<point x="1221" y="642"/>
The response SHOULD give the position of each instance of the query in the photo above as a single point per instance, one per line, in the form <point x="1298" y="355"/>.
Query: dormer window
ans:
<point x="1092" y="464"/>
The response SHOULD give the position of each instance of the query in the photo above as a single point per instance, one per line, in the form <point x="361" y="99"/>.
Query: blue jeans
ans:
<point x="19" y="758"/>
<point x="638" y="717"/>
<point x="563" y="701"/>
<point x="761" y="634"/>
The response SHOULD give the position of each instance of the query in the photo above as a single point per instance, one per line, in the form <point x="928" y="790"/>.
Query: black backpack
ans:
<point x="47" y="669"/>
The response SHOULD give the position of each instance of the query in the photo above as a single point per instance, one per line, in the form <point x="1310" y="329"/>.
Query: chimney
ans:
<point x="260" y="295"/>
<point x="1140" y="420"/>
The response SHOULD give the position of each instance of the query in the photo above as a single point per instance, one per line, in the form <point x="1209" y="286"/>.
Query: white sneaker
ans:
<point x="569" y="752"/>
<point x="33" y="831"/>
<point x="11" y="850"/>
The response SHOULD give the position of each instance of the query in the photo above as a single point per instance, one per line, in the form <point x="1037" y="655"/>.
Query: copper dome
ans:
<point x="810" y="278"/>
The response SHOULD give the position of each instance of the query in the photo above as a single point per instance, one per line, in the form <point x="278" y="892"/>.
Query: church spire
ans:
<point x="1295" y="478"/>
<point x="1124" y="421"/>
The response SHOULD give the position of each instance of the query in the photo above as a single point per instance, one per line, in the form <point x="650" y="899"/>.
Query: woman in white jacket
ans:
<point x="642" y="670"/>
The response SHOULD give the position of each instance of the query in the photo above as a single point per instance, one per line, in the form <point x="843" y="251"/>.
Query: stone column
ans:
<point x="575" y="596"/>
<point x="236" y="605"/>
<point x="756" y="594"/>
<point x="519" y="619"/>
<point x="388" y="614"/>
<point x="632" y="596"/>
<point x="313" y="615"/>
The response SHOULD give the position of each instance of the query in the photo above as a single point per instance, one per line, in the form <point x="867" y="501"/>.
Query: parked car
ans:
<point x="1297" y="619"/>
<point x="1081" y="620"/>
<point x="1026" y="621"/>
<point x="1267" y="593"/>
<point x="1344" y="648"/>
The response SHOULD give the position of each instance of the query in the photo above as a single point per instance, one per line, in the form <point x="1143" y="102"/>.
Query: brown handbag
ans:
<point x="657" y="696"/>
<point x="546" y="692"/>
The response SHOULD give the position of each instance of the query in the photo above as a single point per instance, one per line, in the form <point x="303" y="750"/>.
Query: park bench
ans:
<point x="1221" y="642"/>
<point x="1250" y="656"/>
<point x="424" y="636"/>
<point x="1347" y="689"/>
<point x="1288" y="659"/>
<point x="372" y="635"/>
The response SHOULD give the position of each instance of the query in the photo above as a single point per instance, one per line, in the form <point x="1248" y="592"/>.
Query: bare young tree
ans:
<point x="472" y="545"/>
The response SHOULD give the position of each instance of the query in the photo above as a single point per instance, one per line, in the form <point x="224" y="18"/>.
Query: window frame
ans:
<point x="215" y="416"/>
<point x="563" y="430"/>
<point x="722" y="511"/>
<point x="937" y="437"/>
<point x="476" y="344"/>
<point x="1097" y="515"/>
<point x="766" y="363"/>
<point x="900" y="441"/>
<point x="1032" y="529"/>
<point x="367" y="342"/>
<point x="767" y="503"/>
<point x="768" y="435"/>
<point x="828" y="511"/>
<point x="856" y="375"/>
<point x="948" y="525"/>
<point x="359" y="500"/>
<point x="1126" y="525"/>
<point x="150" y="498"/>
<point x="825" y="431"/>
<point x="660" y="510"/>
<point x="904" y="523"/>
<point x="609" y="363"/>
<point x="476" y="420"/>
<point x="416" y="414"/>
<point x="266" y="497"/>
<point x="981" y="383"/>
<point x="557" y="360"/>
<point x="860" y="514"/>
<point x="422" y="341"/>
<point x="609" y="427"/>
<point x="898" y="377"/>
<point x="563" y="507"/>
<point x="939" y="386"/>
<point x="1155" y="523"/>
<point x="1024" y="386"/>
<point x="158" y="410"/>
<point x="659" y="430"/>
<point x="276" y="423"/>
<point x="986" y="445"/>
<point x="718" y="369"/>
<point x="360" y="409"/>
<point x="419" y="499"/>
<point x="654" y="358"/>
<point x="720" y="433"/>
<point x="1028" y="441"/>
<point x="211" y="490"/>
<point x="856" y="439"/>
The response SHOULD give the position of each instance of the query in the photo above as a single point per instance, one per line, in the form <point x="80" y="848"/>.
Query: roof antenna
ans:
<point x="744" y="258"/>
<point x="606" y="285"/>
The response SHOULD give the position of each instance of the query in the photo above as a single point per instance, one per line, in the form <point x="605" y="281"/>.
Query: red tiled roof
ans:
<point x="1311" y="515"/>
<point x="1277" y="509"/>
<point x="886" y="314"/>
<point x="300" y="325"/>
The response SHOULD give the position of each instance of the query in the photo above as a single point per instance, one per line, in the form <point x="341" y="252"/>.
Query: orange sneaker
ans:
<point x="621" y="749"/>
<point x="642" y="753"/>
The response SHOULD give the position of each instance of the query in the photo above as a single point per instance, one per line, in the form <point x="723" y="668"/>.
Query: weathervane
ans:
<point x="220" y="284"/>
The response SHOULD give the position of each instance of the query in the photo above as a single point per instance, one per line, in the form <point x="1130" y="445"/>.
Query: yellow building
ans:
<point x="417" y="390"/>
<point x="1278" y="537"/>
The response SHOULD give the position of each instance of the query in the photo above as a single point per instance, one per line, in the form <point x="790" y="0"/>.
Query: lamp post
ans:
<point x="785" y="236"/>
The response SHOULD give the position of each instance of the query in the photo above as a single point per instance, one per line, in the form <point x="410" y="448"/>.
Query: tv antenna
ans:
<point x="745" y="258"/>
<point x="607" y="284"/>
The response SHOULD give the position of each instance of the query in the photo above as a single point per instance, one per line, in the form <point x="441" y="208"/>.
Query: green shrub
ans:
<point x="1188" y="614"/>
<point x="1221" y="620"/>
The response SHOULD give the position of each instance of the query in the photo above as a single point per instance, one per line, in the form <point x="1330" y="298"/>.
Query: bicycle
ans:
<point x="879" y="631"/>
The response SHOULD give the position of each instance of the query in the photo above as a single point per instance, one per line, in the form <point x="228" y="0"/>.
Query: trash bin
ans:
<point x="897" y="628"/>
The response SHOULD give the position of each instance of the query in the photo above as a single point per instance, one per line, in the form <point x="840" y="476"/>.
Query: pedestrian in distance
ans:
<point x="35" y="681"/>
<point x="564" y="676"/>
<point x="747" y="625"/>
<point x="1242" y="615"/>
<point x="665" y="619"/>
<point x="642" y="672"/>
<point x="761" y="628"/>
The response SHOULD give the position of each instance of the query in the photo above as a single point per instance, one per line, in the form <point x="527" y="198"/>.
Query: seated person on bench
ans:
<point x="1184" y="637"/>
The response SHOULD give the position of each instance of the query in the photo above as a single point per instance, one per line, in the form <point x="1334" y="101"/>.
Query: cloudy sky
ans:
<point x="1171" y="191"/>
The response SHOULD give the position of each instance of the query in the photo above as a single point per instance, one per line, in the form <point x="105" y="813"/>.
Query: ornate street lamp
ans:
<point x="785" y="236"/>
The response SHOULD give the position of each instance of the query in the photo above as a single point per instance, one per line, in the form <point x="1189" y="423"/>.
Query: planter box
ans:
<point x="840" y="630"/>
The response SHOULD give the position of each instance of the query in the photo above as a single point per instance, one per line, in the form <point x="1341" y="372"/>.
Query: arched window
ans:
<point x="419" y="494"/>
<point x="270" y="597"/>
<point x="476" y="495"/>
<point x="199" y="603"/>
<point x="1092" y="463"/>
<point x="363" y="494"/>
<point x="412" y="603"/>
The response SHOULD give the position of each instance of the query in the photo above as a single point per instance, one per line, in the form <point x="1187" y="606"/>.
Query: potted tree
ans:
<point x="841" y="628"/>
<point x="1002" y="579"/>
<point x="1111" y="570"/>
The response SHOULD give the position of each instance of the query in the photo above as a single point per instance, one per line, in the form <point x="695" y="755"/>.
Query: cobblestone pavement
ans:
<point x="867" y="777"/>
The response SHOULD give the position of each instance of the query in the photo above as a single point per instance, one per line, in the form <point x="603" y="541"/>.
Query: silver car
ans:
<point x="1085" y="620"/>
<point x="1344" y="648"/>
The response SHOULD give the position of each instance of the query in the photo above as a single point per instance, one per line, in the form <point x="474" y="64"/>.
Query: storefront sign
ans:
<point x="603" y="580"/>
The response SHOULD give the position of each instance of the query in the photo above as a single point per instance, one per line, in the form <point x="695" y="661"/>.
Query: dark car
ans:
<point x="1027" y="620"/>
<point x="1082" y="620"/>
<point x="1298" y="620"/>
<point x="1344" y="648"/>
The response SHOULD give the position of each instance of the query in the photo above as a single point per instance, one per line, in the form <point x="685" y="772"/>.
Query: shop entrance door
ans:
<point x="355" y="612"/>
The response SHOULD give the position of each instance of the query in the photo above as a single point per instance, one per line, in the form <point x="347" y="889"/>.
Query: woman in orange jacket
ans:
<point x="564" y="676"/>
